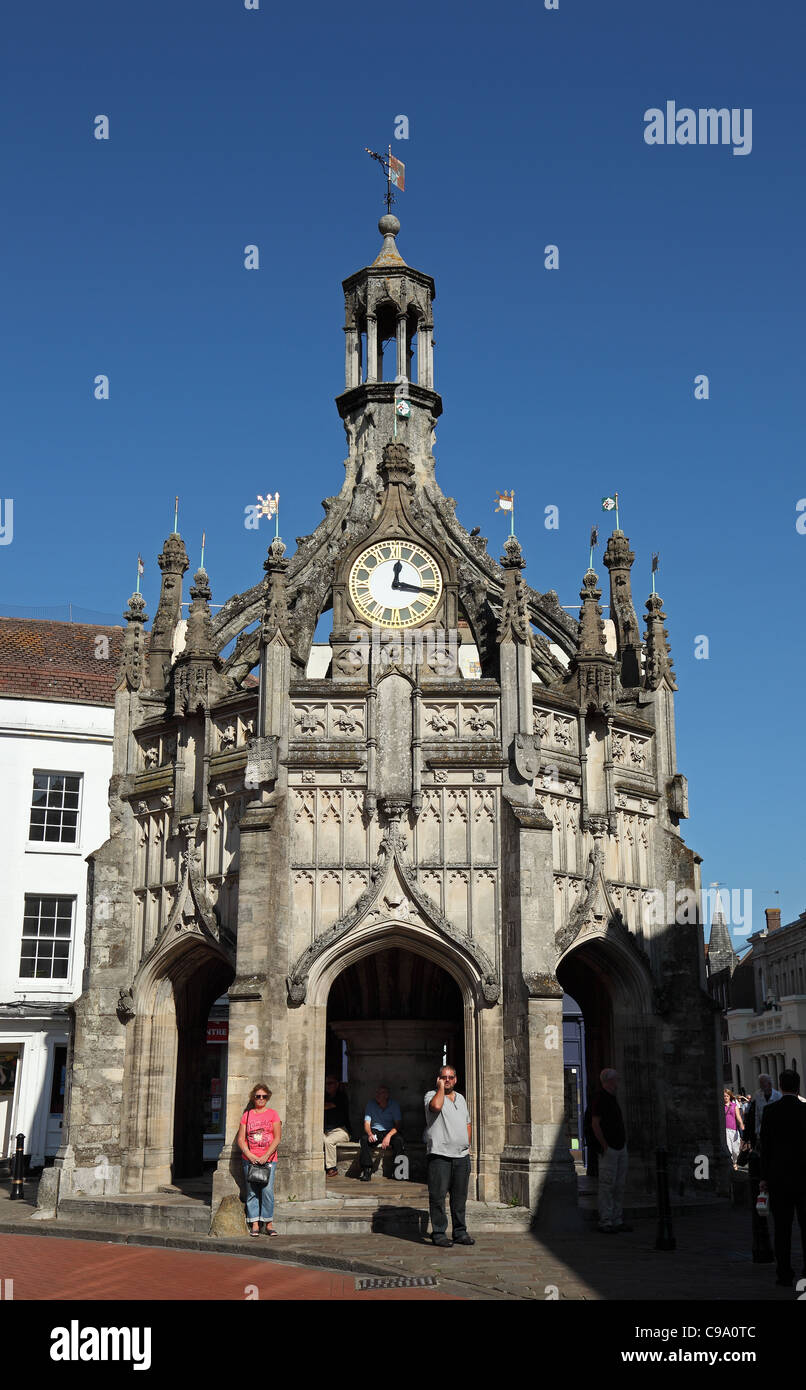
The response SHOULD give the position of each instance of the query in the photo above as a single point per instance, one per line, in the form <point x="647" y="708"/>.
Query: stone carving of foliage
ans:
<point x="562" y="731"/>
<point x="308" y="721"/>
<point x="440" y="720"/>
<point x="480" y="719"/>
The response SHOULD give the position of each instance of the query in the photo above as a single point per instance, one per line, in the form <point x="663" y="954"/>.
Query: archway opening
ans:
<point x="395" y="1017"/>
<point x="614" y="1001"/>
<point x="199" y="980"/>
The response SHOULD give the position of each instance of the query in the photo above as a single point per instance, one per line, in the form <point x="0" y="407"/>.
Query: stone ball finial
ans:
<point x="388" y="225"/>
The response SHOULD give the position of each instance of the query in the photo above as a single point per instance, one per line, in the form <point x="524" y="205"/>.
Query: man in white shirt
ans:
<point x="447" y="1137"/>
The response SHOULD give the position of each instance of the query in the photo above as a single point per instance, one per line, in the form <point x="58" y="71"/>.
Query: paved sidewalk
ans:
<point x="712" y="1260"/>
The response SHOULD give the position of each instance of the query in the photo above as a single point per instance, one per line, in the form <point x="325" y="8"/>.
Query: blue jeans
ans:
<point x="260" y="1200"/>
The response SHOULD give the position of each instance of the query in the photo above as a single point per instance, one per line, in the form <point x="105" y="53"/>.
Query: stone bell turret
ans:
<point x="389" y="360"/>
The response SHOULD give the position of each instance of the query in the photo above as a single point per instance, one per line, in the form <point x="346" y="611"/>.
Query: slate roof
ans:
<point x="43" y="660"/>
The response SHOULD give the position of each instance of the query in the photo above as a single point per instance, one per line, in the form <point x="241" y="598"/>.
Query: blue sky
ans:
<point x="230" y="127"/>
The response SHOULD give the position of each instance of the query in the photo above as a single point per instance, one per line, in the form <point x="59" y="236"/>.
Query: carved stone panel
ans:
<point x="456" y="827"/>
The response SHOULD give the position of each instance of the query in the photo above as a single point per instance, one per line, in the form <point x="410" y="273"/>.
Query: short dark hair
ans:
<point x="790" y="1082"/>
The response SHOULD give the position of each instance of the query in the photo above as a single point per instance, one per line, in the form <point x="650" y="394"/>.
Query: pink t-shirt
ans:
<point x="730" y="1115"/>
<point x="260" y="1131"/>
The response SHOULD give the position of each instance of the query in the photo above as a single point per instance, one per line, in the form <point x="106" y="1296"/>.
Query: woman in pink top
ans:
<point x="258" y="1138"/>
<point x="733" y="1125"/>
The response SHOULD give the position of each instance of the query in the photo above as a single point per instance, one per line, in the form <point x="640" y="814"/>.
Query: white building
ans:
<point x="56" y="718"/>
<point x="767" y="1020"/>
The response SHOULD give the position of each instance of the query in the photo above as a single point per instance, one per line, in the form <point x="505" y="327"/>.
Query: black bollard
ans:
<point x="665" y="1238"/>
<point x="17" y="1193"/>
<point x="763" y="1253"/>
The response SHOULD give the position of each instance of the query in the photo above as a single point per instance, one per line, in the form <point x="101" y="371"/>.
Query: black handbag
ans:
<point x="257" y="1174"/>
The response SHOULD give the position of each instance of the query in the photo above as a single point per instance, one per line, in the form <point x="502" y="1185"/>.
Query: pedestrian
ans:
<point x="259" y="1135"/>
<point x="447" y="1138"/>
<point x="382" y="1127"/>
<point x="765" y="1095"/>
<point x="607" y="1123"/>
<point x="734" y="1124"/>
<point x="783" y="1171"/>
<point x="336" y="1122"/>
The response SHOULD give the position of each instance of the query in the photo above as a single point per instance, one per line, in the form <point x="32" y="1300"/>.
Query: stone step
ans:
<point x="360" y="1215"/>
<point x="332" y="1215"/>
<point x="132" y="1211"/>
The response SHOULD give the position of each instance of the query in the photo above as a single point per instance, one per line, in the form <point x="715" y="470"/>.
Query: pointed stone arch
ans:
<point x="609" y="976"/>
<point x="171" y="997"/>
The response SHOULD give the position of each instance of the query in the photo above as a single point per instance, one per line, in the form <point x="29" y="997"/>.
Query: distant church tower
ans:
<point x="399" y="850"/>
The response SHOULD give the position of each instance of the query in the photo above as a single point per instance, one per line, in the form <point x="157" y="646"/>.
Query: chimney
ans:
<point x="773" y="916"/>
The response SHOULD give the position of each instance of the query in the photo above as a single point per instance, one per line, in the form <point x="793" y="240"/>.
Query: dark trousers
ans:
<point x="784" y="1203"/>
<point x="448" y="1176"/>
<point x="368" y="1150"/>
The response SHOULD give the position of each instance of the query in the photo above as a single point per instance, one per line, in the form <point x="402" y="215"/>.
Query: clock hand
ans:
<point x="396" y="581"/>
<point x="414" y="589"/>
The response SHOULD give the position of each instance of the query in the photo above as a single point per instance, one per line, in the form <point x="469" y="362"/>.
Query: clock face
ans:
<point x="395" y="584"/>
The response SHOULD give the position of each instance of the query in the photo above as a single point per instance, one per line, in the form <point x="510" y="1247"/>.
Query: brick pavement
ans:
<point x="46" y="1270"/>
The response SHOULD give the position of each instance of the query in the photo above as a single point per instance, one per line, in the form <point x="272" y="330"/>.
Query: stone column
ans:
<point x="402" y="355"/>
<point x="372" y="348"/>
<point x="352" y="358"/>
<point x="428" y="357"/>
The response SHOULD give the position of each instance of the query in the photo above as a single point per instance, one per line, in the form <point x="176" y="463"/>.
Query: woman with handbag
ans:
<point x="259" y="1135"/>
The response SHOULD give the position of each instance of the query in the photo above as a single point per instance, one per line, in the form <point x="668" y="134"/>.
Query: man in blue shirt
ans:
<point x="382" y="1124"/>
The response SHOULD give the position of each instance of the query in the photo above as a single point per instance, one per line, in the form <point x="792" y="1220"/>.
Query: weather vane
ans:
<point x="395" y="171"/>
<point x="270" y="507"/>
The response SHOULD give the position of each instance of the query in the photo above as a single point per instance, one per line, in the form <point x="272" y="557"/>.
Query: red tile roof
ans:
<point x="43" y="660"/>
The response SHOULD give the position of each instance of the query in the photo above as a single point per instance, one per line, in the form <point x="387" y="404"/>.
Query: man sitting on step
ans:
<point x="382" y="1124"/>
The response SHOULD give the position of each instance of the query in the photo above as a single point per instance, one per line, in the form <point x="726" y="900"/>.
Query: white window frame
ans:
<point x="56" y="846"/>
<point x="49" y="983"/>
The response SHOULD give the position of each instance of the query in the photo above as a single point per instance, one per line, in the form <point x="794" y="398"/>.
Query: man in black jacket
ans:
<point x="783" y="1169"/>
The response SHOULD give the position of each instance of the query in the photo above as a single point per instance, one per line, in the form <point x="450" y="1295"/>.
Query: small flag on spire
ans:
<point x="655" y="562"/>
<point x="609" y="504"/>
<point x="594" y="543"/>
<point x="506" y="503"/>
<point x="270" y="506"/>
<point x="141" y="569"/>
<point x="397" y="173"/>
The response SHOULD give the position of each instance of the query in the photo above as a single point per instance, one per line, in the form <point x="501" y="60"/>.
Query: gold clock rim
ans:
<point x="418" y="617"/>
